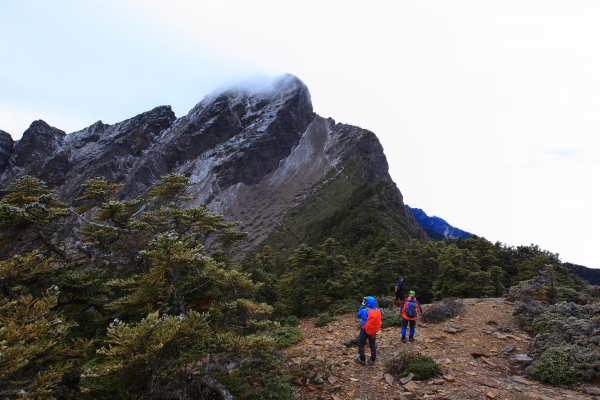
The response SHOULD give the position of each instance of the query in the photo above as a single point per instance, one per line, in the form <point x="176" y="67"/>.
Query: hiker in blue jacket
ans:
<point x="409" y="312"/>
<point x="399" y="290"/>
<point x="370" y="324"/>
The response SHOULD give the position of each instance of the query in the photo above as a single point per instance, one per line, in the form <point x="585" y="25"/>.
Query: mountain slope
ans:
<point x="436" y="227"/>
<point x="254" y="152"/>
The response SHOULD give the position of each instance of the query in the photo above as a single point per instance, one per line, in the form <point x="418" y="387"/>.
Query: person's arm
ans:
<point x="419" y="308"/>
<point x="362" y="312"/>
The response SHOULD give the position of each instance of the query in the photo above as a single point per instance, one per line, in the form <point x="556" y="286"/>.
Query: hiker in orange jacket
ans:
<point x="409" y="312"/>
<point x="370" y="324"/>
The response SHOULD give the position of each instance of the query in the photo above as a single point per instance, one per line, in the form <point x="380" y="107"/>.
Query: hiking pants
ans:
<point x="405" y="323"/>
<point x="362" y="340"/>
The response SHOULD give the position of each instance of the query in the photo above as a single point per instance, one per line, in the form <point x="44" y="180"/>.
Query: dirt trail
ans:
<point x="477" y="360"/>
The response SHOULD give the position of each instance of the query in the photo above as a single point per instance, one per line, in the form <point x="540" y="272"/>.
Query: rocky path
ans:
<point x="478" y="352"/>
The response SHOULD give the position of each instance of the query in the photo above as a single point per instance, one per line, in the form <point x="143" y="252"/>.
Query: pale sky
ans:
<point x="488" y="111"/>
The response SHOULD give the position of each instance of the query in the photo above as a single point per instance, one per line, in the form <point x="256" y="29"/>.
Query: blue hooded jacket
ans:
<point x="363" y="311"/>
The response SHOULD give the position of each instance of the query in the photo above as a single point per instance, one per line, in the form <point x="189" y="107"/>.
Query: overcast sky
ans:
<point x="488" y="111"/>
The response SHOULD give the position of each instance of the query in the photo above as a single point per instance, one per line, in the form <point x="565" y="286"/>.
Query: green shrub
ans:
<point x="540" y="324"/>
<point x="292" y="320"/>
<point x="386" y="302"/>
<point x="285" y="336"/>
<point x="324" y="320"/>
<point x="343" y="307"/>
<point x="390" y="320"/>
<point x="232" y="382"/>
<point x="303" y="370"/>
<point x="422" y="367"/>
<point x="444" y="310"/>
<point x="277" y="389"/>
<point x="554" y="366"/>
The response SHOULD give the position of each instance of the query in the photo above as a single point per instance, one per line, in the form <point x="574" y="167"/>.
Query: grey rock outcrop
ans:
<point x="253" y="152"/>
<point x="6" y="148"/>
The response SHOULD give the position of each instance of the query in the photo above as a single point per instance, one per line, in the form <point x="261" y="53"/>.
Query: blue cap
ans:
<point x="371" y="302"/>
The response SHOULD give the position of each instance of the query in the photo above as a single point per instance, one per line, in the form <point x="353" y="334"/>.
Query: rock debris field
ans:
<point x="481" y="354"/>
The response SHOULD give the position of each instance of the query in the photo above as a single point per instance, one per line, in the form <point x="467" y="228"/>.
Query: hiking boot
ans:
<point x="359" y="361"/>
<point x="371" y="363"/>
<point x="403" y="340"/>
<point x="411" y="339"/>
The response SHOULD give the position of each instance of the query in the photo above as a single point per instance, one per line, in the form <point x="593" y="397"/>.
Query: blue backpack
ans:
<point x="411" y="309"/>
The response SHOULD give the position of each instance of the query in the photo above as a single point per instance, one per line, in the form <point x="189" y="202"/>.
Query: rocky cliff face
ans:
<point x="254" y="152"/>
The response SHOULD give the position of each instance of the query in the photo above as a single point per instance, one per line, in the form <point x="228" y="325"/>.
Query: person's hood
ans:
<point x="371" y="302"/>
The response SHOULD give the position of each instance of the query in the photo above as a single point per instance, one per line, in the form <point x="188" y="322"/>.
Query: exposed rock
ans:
<point x="6" y="149"/>
<point x="389" y="379"/>
<point x="406" y="379"/>
<point x="252" y="153"/>
<point x="411" y="386"/>
<point x="509" y="349"/>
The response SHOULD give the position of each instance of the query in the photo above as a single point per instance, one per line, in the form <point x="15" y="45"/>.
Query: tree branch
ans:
<point x="114" y="228"/>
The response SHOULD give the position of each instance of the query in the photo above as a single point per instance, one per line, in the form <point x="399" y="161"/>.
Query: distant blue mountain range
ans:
<point x="437" y="228"/>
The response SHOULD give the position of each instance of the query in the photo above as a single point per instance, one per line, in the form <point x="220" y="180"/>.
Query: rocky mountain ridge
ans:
<point x="254" y="153"/>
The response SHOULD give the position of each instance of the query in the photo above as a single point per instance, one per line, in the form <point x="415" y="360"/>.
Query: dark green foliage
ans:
<point x="554" y="366"/>
<point x="386" y="302"/>
<point x="391" y="319"/>
<point x="361" y="216"/>
<point x="285" y="336"/>
<point x="304" y="370"/>
<point x="444" y="310"/>
<point x="153" y="267"/>
<point x="566" y="347"/>
<point x="422" y="367"/>
<point x="277" y="388"/>
<point x="343" y="306"/>
<point x="313" y="279"/>
<point x="234" y="384"/>
<point x="292" y="320"/>
<point x="324" y="320"/>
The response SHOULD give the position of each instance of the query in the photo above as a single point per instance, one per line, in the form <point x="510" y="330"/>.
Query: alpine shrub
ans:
<point x="343" y="307"/>
<point x="554" y="366"/>
<point x="386" y="301"/>
<point x="324" y="320"/>
<point x="422" y="367"/>
<point x="390" y="320"/>
<point x="292" y="320"/>
<point x="277" y="389"/>
<point x="285" y="336"/>
<point x="444" y="310"/>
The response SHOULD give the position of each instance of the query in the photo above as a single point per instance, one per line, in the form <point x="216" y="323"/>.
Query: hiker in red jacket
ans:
<point x="409" y="315"/>
<point x="370" y="324"/>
